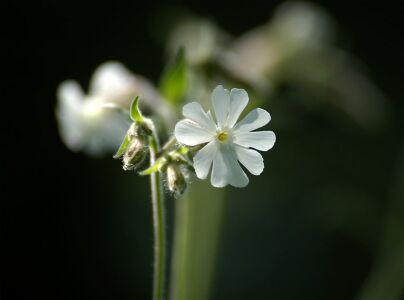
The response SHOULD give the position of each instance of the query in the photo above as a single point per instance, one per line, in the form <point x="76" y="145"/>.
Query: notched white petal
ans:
<point x="250" y="159"/>
<point x="195" y="112"/>
<point x="260" y="140"/>
<point x="238" y="102"/>
<point x="190" y="133"/>
<point x="221" y="102"/>
<point x="204" y="158"/>
<point x="226" y="170"/>
<point x="254" y="120"/>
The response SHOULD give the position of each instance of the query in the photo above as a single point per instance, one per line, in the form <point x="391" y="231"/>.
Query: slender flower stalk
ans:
<point x="159" y="224"/>
<point x="142" y="135"/>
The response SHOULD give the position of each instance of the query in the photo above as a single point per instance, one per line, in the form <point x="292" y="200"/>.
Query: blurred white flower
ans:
<point x="85" y="124"/>
<point x="113" y="82"/>
<point x="228" y="142"/>
<point x="200" y="38"/>
<point x="295" y="29"/>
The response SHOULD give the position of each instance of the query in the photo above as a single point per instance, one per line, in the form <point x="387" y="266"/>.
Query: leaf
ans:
<point x="174" y="81"/>
<point x="135" y="113"/>
<point x="123" y="147"/>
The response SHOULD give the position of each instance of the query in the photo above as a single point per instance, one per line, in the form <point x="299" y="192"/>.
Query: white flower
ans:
<point x="84" y="125"/>
<point x="199" y="37"/>
<point x="228" y="142"/>
<point x="84" y="122"/>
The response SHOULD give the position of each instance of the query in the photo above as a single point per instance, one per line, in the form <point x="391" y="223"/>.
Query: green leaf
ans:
<point x="174" y="81"/>
<point x="135" y="113"/>
<point x="123" y="147"/>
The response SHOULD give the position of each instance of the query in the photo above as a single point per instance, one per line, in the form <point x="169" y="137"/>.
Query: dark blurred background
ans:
<point x="312" y="227"/>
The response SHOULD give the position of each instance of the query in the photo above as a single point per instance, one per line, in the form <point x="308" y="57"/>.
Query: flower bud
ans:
<point x="176" y="179"/>
<point x="135" y="153"/>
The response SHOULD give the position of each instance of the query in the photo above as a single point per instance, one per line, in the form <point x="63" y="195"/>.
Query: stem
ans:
<point x="171" y="142"/>
<point x="197" y="229"/>
<point x="159" y="224"/>
<point x="180" y="248"/>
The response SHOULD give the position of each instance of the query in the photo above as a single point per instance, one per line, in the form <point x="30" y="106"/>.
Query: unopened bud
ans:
<point x="140" y="129"/>
<point x="176" y="179"/>
<point x="145" y="128"/>
<point x="135" y="153"/>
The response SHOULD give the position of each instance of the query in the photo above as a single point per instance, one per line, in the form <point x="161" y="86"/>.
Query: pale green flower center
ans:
<point x="222" y="136"/>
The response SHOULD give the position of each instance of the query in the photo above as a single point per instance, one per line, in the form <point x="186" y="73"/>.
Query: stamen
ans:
<point x="222" y="136"/>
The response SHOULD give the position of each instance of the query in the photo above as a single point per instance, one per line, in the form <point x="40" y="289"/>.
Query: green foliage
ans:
<point x="174" y="81"/>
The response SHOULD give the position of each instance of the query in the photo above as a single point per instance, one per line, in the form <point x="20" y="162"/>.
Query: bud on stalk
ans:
<point x="176" y="179"/>
<point x="135" y="153"/>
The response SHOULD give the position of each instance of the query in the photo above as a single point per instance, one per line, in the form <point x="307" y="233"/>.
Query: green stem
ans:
<point x="180" y="249"/>
<point x="197" y="227"/>
<point x="159" y="224"/>
<point x="171" y="142"/>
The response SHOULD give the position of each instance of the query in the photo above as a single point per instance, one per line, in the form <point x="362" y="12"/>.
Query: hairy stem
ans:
<point x="159" y="225"/>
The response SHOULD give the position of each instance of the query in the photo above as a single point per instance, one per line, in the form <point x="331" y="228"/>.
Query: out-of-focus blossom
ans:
<point x="85" y="122"/>
<point x="228" y="142"/>
<point x="301" y="25"/>
<point x="113" y="82"/>
<point x="296" y="47"/>
<point x="200" y="38"/>
<point x="294" y="28"/>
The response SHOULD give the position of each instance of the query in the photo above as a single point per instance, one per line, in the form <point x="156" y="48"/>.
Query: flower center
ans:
<point x="222" y="136"/>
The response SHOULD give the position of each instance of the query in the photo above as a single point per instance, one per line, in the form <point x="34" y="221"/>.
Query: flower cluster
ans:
<point x="202" y="141"/>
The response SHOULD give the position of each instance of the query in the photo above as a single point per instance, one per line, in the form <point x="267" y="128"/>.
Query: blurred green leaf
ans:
<point x="123" y="147"/>
<point x="174" y="82"/>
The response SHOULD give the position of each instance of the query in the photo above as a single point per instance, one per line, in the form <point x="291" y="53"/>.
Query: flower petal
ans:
<point x="195" y="112"/>
<point x="203" y="159"/>
<point x="70" y="93"/>
<point x="226" y="169"/>
<point x="250" y="159"/>
<point x="190" y="133"/>
<point x="260" y="140"/>
<point x="221" y="102"/>
<point x="68" y="113"/>
<point x="238" y="101"/>
<point x="255" y="119"/>
<point x="111" y="79"/>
